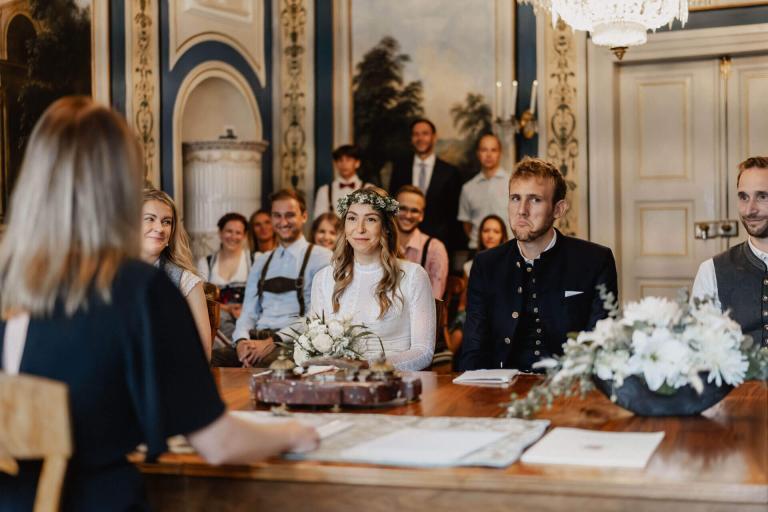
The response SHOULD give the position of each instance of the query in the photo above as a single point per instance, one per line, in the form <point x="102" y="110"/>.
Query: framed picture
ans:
<point x="47" y="50"/>
<point x="451" y="62"/>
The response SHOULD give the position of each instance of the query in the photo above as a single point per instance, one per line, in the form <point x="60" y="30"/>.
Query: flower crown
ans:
<point x="382" y="203"/>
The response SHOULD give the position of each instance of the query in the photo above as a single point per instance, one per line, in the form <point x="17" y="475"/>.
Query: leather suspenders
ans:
<point x="285" y="284"/>
<point x="424" y="251"/>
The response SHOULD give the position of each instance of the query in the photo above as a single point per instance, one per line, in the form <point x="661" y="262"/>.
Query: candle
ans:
<point x="514" y="97"/>
<point x="534" y="87"/>
<point x="497" y="105"/>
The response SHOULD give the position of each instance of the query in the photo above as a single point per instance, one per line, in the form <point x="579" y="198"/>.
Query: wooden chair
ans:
<point x="441" y="360"/>
<point x="34" y="424"/>
<point x="212" y="298"/>
<point x="455" y="290"/>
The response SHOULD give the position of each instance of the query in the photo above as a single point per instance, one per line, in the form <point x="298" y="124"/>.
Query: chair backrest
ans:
<point x="35" y="424"/>
<point x="212" y="299"/>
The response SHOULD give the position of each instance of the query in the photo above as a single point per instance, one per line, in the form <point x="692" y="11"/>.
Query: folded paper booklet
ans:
<point x="486" y="377"/>
<point x="578" y="447"/>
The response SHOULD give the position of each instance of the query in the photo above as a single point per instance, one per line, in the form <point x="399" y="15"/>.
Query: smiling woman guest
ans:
<point x="165" y="245"/>
<point x="261" y="233"/>
<point x="325" y="230"/>
<point x="228" y="268"/>
<point x="492" y="232"/>
<point x="368" y="283"/>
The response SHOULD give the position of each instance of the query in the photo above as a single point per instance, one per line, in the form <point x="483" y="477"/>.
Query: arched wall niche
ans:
<point x="221" y="175"/>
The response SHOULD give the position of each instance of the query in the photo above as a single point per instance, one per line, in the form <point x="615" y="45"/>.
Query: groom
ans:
<point x="526" y="295"/>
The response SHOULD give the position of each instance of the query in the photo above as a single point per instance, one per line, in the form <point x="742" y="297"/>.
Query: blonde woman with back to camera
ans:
<point x="165" y="244"/>
<point x="78" y="306"/>
<point x="368" y="283"/>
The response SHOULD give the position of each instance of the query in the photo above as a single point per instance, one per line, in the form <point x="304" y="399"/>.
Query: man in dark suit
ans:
<point x="440" y="182"/>
<point x="526" y="295"/>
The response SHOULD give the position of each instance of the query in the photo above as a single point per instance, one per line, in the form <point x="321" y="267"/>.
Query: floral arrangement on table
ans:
<point x="666" y="344"/>
<point x="335" y="338"/>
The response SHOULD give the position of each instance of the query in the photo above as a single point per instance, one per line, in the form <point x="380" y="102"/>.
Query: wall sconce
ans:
<point x="505" y="120"/>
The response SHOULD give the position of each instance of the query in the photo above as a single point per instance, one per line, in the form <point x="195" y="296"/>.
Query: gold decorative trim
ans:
<point x="293" y="154"/>
<point x="143" y="81"/>
<point x="562" y="143"/>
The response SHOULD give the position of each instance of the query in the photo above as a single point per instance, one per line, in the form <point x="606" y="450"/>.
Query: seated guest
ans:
<point x="228" y="268"/>
<point x="346" y="161"/>
<point x="526" y="295"/>
<point x="486" y="193"/>
<point x="325" y="230"/>
<point x="367" y="282"/>
<point x="165" y="245"/>
<point x="492" y="232"/>
<point x="278" y="288"/>
<point x="78" y="307"/>
<point x="261" y="234"/>
<point x="417" y="247"/>
<point x="437" y="179"/>
<point x="736" y="279"/>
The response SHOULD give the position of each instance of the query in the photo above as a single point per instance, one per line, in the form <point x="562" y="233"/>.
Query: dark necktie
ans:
<point x="351" y="185"/>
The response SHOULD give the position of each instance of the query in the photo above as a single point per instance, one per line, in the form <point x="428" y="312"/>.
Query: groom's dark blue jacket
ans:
<point x="566" y="277"/>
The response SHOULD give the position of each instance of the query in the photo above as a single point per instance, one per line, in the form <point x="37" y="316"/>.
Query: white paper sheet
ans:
<point x="422" y="447"/>
<point x="498" y="376"/>
<point x="578" y="447"/>
<point x="324" y="430"/>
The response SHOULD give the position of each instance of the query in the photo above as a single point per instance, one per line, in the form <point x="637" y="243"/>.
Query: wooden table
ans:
<point x="714" y="462"/>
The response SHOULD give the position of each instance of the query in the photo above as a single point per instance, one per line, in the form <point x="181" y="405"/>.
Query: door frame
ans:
<point x="603" y="131"/>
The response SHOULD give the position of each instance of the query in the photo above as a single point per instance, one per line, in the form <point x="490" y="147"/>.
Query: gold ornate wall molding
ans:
<point x="294" y="95"/>
<point x="142" y="76"/>
<point x="563" y="118"/>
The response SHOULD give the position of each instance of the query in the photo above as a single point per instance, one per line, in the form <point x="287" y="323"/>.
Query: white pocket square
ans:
<point x="571" y="293"/>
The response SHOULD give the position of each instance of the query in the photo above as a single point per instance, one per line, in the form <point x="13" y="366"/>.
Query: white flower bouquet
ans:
<point x="666" y="344"/>
<point x="335" y="338"/>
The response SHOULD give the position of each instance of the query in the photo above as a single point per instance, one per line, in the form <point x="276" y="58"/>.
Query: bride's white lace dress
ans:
<point x="407" y="329"/>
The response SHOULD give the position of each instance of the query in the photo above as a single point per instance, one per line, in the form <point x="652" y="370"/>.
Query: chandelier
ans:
<point x="617" y="24"/>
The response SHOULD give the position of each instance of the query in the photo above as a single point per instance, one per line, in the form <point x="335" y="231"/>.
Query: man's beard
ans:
<point x="761" y="232"/>
<point x="534" y="234"/>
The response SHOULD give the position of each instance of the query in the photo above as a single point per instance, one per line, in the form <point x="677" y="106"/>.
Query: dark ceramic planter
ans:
<point x="635" y="397"/>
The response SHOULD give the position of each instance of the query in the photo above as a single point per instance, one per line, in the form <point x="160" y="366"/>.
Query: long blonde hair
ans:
<point x="74" y="216"/>
<point x="344" y="260"/>
<point x="177" y="251"/>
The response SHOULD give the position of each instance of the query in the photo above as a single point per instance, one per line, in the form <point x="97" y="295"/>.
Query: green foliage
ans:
<point x="384" y="106"/>
<point x="473" y="120"/>
<point x="59" y="59"/>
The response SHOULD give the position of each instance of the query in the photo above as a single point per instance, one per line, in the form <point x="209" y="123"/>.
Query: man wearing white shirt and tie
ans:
<point x="346" y="160"/>
<point x="737" y="279"/>
<point x="440" y="182"/>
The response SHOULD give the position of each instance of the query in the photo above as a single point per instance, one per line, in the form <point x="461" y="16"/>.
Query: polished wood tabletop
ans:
<point x="716" y="461"/>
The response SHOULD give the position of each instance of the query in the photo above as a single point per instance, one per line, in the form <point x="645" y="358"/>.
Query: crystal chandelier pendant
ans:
<point x="617" y="24"/>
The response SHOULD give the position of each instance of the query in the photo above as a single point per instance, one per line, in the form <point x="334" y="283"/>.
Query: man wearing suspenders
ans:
<point x="346" y="160"/>
<point x="278" y="289"/>
<point x="417" y="246"/>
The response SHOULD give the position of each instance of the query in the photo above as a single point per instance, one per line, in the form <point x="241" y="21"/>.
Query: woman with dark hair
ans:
<point x="79" y="307"/>
<point x="369" y="284"/>
<point x="261" y="234"/>
<point x="325" y="230"/>
<point x="228" y="268"/>
<point x="165" y="244"/>
<point x="491" y="233"/>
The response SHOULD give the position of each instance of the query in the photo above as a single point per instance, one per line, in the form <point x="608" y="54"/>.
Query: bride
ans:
<point x="367" y="282"/>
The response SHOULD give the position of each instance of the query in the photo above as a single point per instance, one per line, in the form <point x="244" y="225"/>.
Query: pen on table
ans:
<point x="265" y="372"/>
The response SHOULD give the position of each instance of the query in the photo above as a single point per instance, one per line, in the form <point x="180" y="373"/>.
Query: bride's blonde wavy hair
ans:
<point x="344" y="259"/>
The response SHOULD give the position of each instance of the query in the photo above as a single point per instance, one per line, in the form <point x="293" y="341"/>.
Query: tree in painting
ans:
<point x="59" y="59"/>
<point x="473" y="120"/>
<point x="384" y="106"/>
